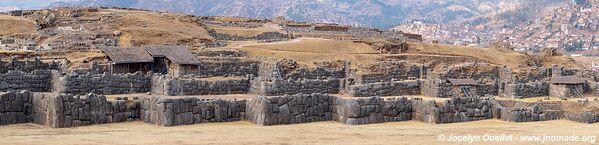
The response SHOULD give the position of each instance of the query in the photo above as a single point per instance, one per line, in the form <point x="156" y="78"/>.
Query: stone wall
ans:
<point x="524" y="75"/>
<point x="267" y="70"/>
<point x="436" y="88"/>
<point x="171" y="111"/>
<point x="526" y="90"/>
<point x="389" y="71"/>
<point x="315" y="73"/>
<point x="527" y="112"/>
<point x="63" y="110"/>
<point x="191" y="86"/>
<point x="487" y="89"/>
<point x="566" y="91"/>
<point x="395" y="88"/>
<point x="356" y="111"/>
<point x="422" y="110"/>
<point x="303" y="108"/>
<point x="463" y="110"/>
<point x="262" y="36"/>
<point x="27" y="65"/>
<point x="106" y="83"/>
<point x="476" y="71"/>
<point x="457" y="109"/>
<point x="15" y="107"/>
<point x="221" y="53"/>
<point x="563" y="71"/>
<point x="583" y="117"/>
<point x="37" y="80"/>
<point x="442" y="89"/>
<point x="298" y="108"/>
<point x="290" y="87"/>
<point x="290" y="69"/>
<point x="210" y="67"/>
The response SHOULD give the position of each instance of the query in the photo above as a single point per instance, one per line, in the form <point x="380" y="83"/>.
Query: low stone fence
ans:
<point x="106" y="83"/>
<point x="171" y="111"/>
<point x="396" y="88"/>
<point x="290" y="87"/>
<point x="37" y="80"/>
<point x="181" y="86"/>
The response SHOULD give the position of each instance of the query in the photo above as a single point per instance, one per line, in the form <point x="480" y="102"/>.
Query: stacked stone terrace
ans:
<point x="229" y="86"/>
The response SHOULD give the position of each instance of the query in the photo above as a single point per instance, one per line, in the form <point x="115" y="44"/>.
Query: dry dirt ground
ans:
<point x="141" y="28"/>
<point x="13" y="25"/>
<point x="309" y="50"/>
<point x="409" y="132"/>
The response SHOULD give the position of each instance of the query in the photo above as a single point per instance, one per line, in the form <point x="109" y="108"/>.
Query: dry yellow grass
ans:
<point x="141" y="28"/>
<point x="77" y="58"/>
<point x="497" y="56"/>
<point x="309" y="50"/>
<point x="14" y="25"/>
<point x="241" y="31"/>
<point x="492" y="55"/>
<point x="242" y="132"/>
<point x="231" y="19"/>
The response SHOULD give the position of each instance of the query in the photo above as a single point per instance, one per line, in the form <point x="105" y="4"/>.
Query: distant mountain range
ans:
<point x="373" y="13"/>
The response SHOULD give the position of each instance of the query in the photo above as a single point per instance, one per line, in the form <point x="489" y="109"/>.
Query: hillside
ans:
<point x="372" y="13"/>
<point x="93" y="29"/>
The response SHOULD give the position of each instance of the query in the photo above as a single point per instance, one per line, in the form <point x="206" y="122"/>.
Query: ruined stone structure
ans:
<point x="172" y="111"/>
<point x="173" y="85"/>
<point x="228" y="86"/>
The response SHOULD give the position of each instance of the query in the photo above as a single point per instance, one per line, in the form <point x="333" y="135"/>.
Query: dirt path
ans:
<point x="409" y="132"/>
